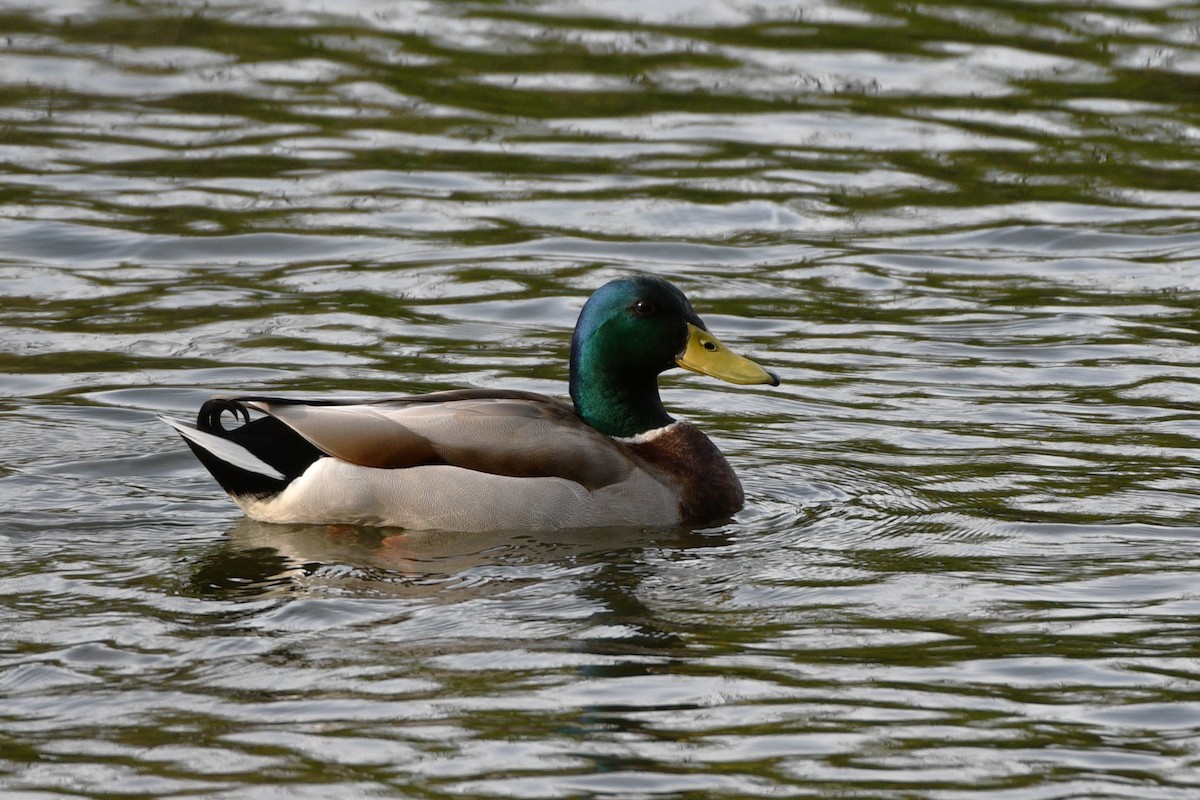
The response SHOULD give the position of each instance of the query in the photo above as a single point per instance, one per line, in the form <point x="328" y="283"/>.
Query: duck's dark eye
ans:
<point x="644" y="308"/>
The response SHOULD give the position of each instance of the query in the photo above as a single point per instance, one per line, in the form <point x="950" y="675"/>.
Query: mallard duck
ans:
<point x="476" y="460"/>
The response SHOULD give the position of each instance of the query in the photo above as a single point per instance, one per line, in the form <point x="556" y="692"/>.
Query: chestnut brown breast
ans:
<point x="709" y="489"/>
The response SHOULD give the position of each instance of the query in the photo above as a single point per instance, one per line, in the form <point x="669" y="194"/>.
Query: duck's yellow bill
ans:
<point x="705" y="354"/>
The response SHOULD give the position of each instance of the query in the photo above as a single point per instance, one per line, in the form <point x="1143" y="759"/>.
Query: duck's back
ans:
<point x="463" y="460"/>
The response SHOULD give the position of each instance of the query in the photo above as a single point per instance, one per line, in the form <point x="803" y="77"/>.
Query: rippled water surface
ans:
<point x="966" y="234"/>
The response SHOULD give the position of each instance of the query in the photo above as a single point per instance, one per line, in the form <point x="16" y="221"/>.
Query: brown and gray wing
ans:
<point x="513" y="433"/>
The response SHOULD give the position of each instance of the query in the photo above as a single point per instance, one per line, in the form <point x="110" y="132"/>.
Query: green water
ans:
<point x="966" y="235"/>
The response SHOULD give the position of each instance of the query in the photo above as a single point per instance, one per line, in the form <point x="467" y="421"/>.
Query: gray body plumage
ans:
<point x="434" y="461"/>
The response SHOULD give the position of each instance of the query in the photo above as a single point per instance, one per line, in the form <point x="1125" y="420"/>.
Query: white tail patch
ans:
<point x="224" y="449"/>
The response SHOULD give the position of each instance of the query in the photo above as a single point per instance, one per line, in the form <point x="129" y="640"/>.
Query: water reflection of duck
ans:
<point x="494" y="460"/>
<point x="256" y="559"/>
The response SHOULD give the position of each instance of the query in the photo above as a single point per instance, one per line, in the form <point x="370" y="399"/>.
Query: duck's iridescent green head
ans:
<point x="631" y="330"/>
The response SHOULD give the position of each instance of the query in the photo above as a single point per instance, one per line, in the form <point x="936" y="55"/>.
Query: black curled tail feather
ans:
<point x="209" y="417"/>
<point x="266" y="438"/>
